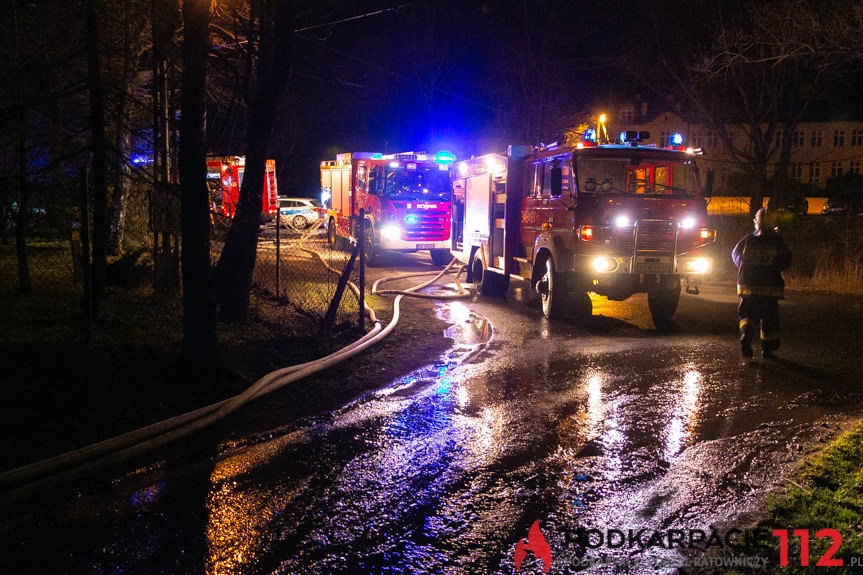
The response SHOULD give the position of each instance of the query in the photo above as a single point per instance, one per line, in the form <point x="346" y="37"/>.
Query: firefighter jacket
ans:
<point x="760" y="258"/>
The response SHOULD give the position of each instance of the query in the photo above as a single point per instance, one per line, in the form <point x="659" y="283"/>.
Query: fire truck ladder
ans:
<point x="654" y="247"/>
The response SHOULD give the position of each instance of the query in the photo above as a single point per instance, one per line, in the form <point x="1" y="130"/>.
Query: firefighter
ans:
<point x="760" y="258"/>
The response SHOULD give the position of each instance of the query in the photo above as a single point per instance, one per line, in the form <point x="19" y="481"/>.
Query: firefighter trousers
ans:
<point x="763" y="311"/>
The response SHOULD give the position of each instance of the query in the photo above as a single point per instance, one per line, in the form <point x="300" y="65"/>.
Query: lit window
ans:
<point x="838" y="138"/>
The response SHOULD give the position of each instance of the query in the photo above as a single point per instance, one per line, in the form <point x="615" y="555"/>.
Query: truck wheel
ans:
<point x="299" y="222"/>
<point x="662" y="302"/>
<point x="487" y="282"/>
<point x="332" y="238"/>
<point x="372" y="253"/>
<point x="552" y="291"/>
<point x="440" y="257"/>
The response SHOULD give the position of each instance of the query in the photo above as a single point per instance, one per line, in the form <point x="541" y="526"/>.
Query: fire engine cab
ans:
<point x="224" y="179"/>
<point x="405" y="198"/>
<point x="612" y="219"/>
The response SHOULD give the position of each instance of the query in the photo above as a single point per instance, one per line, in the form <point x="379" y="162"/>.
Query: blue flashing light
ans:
<point x="590" y="135"/>
<point x="139" y="159"/>
<point x="676" y="139"/>
<point x="394" y="164"/>
<point x="444" y="157"/>
<point x="623" y="137"/>
<point x="411" y="219"/>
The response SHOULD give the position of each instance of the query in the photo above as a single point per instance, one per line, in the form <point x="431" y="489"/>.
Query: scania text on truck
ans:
<point x="613" y="219"/>
<point x="406" y="198"/>
<point x="224" y="179"/>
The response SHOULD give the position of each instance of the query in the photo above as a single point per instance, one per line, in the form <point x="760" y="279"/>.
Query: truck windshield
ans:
<point x="417" y="183"/>
<point x="638" y="176"/>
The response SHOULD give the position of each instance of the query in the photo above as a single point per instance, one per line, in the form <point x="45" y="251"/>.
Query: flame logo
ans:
<point x="536" y="544"/>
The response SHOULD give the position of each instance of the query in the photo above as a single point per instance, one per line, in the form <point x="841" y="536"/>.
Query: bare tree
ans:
<point x="236" y="264"/>
<point x="99" y="162"/>
<point x="736" y="78"/>
<point x="199" y="311"/>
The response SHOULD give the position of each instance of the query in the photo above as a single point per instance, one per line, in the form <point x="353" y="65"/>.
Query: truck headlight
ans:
<point x="604" y="264"/>
<point x="391" y="232"/>
<point x="698" y="265"/>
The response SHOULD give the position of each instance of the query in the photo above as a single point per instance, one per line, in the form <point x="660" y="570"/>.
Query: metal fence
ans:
<point x="302" y="272"/>
<point x="54" y="266"/>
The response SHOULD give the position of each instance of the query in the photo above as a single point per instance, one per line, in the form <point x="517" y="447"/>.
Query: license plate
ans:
<point x="652" y="269"/>
<point x="425" y="246"/>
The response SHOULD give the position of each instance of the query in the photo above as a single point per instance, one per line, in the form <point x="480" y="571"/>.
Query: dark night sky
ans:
<point x="465" y="76"/>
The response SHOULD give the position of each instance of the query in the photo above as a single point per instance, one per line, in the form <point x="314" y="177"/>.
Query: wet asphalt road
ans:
<point x="610" y="424"/>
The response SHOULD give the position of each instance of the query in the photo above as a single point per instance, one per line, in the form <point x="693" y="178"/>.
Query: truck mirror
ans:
<point x="590" y="185"/>
<point x="556" y="181"/>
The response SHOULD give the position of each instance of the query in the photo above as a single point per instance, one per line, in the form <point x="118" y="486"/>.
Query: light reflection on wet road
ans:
<point x="444" y="470"/>
<point x="606" y="425"/>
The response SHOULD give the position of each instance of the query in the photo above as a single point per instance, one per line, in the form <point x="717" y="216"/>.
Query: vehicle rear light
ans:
<point x="706" y="234"/>
<point x="585" y="233"/>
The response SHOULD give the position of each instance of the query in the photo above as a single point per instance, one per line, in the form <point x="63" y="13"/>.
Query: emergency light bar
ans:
<point x="631" y="136"/>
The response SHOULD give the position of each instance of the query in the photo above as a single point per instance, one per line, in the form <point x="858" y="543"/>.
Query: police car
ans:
<point x="299" y="213"/>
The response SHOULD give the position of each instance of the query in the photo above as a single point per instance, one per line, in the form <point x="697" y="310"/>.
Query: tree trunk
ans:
<point x="23" y="206"/>
<point x="99" y="160"/>
<point x="122" y="145"/>
<point x="199" y="310"/>
<point x="237" y="262"/>
<point x="21" y="160"/>
<point x="121" y="187"/>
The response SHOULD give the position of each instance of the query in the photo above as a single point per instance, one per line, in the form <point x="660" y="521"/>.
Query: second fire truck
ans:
<point x="224" y="179"/>
<point x="405" y="198"/>
<point x="613" y="219"/>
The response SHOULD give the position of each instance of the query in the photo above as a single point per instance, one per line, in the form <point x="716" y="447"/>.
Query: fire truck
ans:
<point x="224" y="179"/>
<point x="406" y="198"/>
<point x="612" y="219"/>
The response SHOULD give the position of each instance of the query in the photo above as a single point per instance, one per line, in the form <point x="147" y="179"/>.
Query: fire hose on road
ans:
<point x="37" y="477"/>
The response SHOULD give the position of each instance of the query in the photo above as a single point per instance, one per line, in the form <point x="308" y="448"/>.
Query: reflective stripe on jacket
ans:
<point x="760" y="259"/>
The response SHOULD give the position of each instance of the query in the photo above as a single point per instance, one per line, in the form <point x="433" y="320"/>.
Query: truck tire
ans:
<point x="552" y="291"/>
<point x="662" y="302"/>
<point x="372" y="252"/>
<point x="487" y="282"/>
<point x="440" y="257"/>
<point x="332" y="238"/>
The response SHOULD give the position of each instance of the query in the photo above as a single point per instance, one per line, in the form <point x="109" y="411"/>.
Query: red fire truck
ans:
<point x="224" y="178"/>
<point x="406" y="198"/>
<point x="613" y="219"/>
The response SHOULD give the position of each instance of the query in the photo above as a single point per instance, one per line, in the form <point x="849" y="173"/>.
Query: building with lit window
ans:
<point x="819" y="150"/>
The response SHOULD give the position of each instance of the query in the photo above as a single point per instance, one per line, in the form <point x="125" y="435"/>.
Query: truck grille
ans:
<point x="656" y="243"/>
<point x="430" y="225"/>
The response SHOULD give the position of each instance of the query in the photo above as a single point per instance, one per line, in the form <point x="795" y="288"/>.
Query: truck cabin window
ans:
<point x="557" y="179"/>
<point x="376" y="180"/>
<point x="410" y="182"/>
<point x="638" y="176"/>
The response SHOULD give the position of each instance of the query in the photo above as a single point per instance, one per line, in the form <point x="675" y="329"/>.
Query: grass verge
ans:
<point x="827" y="495"/>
